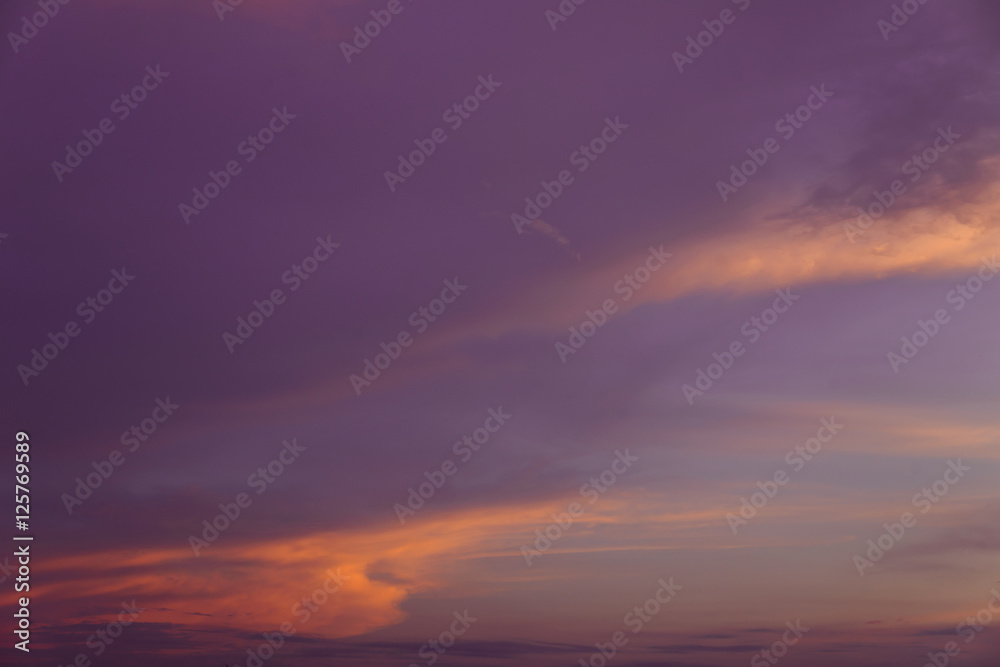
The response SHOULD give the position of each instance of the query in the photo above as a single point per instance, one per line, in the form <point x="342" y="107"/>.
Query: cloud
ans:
<point x="539" y="226"/>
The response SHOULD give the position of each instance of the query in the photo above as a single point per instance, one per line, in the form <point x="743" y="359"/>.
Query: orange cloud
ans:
<point x="807" y="248"/>
<point x="258" y="586"/>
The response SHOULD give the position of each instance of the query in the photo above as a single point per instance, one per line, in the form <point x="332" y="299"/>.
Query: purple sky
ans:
<point x="669" y="138"/>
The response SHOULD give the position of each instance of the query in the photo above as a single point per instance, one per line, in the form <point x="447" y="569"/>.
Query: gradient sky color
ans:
<point x="791" y="228"/>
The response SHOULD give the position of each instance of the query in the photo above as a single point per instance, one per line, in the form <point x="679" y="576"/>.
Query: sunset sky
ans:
<point x="712" y="313"/>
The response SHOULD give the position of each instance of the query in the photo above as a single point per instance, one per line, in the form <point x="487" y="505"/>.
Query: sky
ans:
<point x="516" y="332"/>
